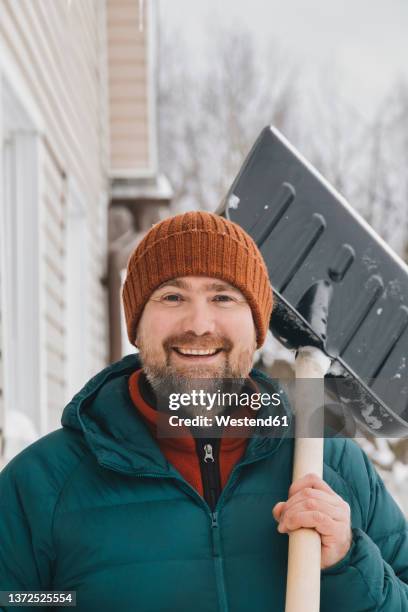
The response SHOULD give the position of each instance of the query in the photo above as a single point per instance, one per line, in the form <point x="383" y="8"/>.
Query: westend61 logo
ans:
<point x="196" y="405"/>
<point x="218" y="407"/>
<point x="209" y="401"/>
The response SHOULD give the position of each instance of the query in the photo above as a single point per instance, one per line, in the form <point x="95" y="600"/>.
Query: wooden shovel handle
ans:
<point x="304" y="555"/>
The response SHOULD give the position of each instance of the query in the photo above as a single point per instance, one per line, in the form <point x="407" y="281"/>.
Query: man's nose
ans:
<point x="199" y="318"/>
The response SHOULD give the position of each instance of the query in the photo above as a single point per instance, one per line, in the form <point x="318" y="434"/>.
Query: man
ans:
<point x="131" y="520"/>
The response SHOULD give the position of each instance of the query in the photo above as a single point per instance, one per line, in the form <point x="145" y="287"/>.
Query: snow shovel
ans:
<point x="341" y="300"/>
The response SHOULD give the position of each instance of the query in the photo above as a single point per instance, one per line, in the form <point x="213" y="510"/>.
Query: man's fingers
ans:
<point x="309" y="519"/>
<point x="337" y="513"/>
<point x="277" y="510"/>
<point x="308" y="493"/>
<point x="312" y="503"/>
<point x="310" y="481"/>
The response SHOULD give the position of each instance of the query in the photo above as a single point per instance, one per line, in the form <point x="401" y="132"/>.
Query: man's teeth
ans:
<point x="197" y="351"/>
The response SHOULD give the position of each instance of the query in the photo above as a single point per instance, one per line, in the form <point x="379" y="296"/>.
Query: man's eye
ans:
<point x="172" y="297"/>
<point x="224" y="298"/>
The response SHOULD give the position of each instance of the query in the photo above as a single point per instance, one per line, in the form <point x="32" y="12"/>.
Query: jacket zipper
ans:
<point x="218" y="563"/>
<point x="208" y="451"/>
<point x="185" y="485"/>
<point x="213" y="513"/>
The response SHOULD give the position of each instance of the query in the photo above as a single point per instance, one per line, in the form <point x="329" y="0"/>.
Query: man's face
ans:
<point x="190" y="314"/>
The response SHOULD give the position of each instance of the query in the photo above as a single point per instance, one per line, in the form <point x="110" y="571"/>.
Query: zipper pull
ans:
<point x="214" y="519"/>
<point x="208" y="449"/>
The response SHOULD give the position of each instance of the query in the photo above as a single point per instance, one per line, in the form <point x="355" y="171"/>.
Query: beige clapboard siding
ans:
<point x="44" y="79"/>
<point x="128" y="87"/>
<point x="130" y="110"/>
<point x="55" y="368"/>
<point x="62" y="87"/>
<point x="82" y="59"/>
<point x="126" y="74"/>
<point x="53" y="273"/>
<point x="56" y="336"/>
<point x="57" y="48"/>
<point x="53" y="245"/>
<point x="97" y="306"/>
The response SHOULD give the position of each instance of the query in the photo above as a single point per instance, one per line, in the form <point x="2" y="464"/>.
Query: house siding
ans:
<point x="59" y="49"/>
<point x="129" y="74"/>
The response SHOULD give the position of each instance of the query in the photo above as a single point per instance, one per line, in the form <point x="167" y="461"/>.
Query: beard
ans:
<point x="167" y="377"/>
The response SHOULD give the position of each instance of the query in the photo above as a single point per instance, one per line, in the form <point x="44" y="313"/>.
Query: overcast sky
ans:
<point x="366" y="39"/>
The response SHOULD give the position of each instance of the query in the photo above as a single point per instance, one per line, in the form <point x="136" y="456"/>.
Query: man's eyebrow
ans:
<point x="217" y="286"/>
<point x="174" y="283"/>
<point x="214" y="286"/>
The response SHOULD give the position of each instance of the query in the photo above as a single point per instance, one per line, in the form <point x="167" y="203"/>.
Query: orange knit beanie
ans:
<point x="197" y="243"/>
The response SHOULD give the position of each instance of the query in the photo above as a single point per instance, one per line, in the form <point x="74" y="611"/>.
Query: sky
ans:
<point x="365" y="40"/>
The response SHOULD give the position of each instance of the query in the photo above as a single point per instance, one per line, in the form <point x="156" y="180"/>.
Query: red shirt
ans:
<point x="181" y="451"/>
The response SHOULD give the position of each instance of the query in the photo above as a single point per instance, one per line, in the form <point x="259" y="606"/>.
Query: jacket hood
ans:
<point x="103" y="412"/>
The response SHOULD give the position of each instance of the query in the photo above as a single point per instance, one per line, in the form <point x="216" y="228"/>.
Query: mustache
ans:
<point x="190" y="340"/>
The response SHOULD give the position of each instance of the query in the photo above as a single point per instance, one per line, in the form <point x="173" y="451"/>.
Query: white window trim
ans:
<point x="24" y="373"/>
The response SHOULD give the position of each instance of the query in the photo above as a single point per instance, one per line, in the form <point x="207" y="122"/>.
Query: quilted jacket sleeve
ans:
<point x="374" y="574"/>
<point x="25" y="516"/>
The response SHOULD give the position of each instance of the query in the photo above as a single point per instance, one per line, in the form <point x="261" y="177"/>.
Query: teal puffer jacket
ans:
<point x="95" y="508"/>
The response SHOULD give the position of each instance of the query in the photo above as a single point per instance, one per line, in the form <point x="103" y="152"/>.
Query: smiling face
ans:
<point x="195" y="327"/>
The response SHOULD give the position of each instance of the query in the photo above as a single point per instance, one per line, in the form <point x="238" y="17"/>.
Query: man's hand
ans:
<point x="312" y="503"/>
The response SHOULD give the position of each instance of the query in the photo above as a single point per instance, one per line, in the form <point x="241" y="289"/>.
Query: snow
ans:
<point x="233" y="201"/>
<point x="272" y="351"/>
<point x="20" y="432"/>
<point x="370" y="419"/>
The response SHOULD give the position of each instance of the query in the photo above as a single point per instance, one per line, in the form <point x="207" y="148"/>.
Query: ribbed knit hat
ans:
<point x="197" y="243"/>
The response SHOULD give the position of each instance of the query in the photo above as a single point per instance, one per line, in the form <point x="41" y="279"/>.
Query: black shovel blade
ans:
<point x="320" y="251"/>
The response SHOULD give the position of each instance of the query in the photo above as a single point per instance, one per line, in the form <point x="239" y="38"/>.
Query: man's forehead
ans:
<point x="199" y="282"/>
